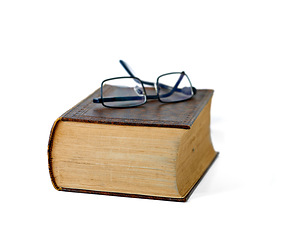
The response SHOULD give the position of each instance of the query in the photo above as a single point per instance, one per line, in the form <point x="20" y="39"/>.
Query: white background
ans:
<point x="55" y="53"/>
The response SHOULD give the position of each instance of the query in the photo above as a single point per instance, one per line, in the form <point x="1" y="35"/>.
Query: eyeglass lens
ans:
<point x="174" y="87"/>
<point x="123" y="92"/>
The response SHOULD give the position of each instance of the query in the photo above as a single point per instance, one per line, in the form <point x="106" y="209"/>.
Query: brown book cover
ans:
<point x="180" y="115"/>
<point x="153" y="113"/>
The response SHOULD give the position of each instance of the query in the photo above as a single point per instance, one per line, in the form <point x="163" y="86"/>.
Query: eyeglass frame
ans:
<point x="142" y="82"/>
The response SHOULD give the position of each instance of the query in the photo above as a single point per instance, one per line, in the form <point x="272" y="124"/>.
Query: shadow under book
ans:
<point x="158" y="151"/>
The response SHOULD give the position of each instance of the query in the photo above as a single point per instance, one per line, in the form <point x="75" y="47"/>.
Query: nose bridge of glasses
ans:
<point x="156" y="87"/>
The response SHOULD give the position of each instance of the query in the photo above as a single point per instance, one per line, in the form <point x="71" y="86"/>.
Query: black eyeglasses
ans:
<point x="124" y="92"/>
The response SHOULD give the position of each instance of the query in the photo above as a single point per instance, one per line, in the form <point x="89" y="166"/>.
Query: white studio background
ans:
<point x="55" y="53"/>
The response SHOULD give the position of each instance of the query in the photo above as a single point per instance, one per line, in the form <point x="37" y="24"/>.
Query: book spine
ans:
<point x="50" y="145"/>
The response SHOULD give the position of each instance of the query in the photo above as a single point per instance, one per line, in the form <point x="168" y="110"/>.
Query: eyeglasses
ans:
<point x="124" y="92"/>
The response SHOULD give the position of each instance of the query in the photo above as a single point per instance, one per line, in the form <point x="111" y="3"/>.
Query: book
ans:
<point x="156" y="151"/>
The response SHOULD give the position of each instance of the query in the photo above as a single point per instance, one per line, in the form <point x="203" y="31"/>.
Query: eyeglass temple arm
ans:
<point x="129" y="71"/>
<point x="131" y="98"/>
<point x="127" y="68"/>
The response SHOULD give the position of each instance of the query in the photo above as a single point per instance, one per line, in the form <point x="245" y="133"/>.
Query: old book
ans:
<point x="158" y="151"/>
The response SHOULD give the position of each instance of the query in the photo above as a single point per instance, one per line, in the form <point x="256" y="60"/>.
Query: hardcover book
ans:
<point x="157" y="151"/>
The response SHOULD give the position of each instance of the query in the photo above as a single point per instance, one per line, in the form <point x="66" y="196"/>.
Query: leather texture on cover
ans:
<point x="152" y="113"/>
